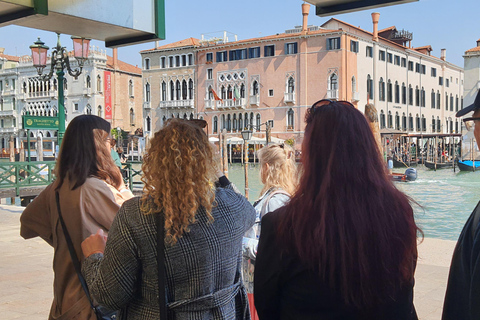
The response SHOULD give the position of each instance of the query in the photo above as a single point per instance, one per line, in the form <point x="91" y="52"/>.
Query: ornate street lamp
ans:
<point x="60" y="61"/>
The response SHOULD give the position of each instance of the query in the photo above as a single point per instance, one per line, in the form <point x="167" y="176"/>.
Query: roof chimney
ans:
<point x="2" y="50"/>
<point x="443" y="54"/>
<point x="157" y="44"/>
<point x="305" y="11"/>
<point x="115" y="59"/>
<point x="375" y="18"/>
<point x="478" y="43"/>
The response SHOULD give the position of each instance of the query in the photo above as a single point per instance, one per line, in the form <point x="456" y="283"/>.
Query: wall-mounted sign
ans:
<point x="31" y="122"/>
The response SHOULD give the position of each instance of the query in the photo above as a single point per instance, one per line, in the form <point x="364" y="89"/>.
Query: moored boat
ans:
<point x="468" y="165"/>
<point x="409" y="175"/>
<point x="438" y="165"/>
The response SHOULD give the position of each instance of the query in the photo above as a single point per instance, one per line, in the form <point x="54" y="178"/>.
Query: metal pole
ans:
<point x="267" y="133"/>
<point x="246" y="168"/>
<point x="28" y="144"/>
<point x="225" y="153"/>
<point x="61" y="107"/>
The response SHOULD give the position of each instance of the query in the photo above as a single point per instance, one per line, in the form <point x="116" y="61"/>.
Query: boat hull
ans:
<point x="438" y="165"/>
<point x="467" y="165"/>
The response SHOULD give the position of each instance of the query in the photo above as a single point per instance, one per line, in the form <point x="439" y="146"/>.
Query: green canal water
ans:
<point x="447" y="198"/>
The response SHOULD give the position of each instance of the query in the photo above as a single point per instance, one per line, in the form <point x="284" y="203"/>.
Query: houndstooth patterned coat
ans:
<point x="202" y="268"/>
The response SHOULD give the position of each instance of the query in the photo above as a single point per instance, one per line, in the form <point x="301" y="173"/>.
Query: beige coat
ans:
<point x="85" y="210"/>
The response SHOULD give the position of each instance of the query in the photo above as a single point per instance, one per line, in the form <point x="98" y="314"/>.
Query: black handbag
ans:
<point x="102" y="313"/>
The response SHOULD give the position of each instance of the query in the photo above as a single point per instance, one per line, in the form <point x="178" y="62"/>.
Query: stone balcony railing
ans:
<point x="289" y="97"/>
<point x="255" y="100"/>
<point x="188" y="103"/>
<point x="332" y="94"/>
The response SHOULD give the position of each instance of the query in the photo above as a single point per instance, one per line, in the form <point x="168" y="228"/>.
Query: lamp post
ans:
<point x="60" y="61"/>
<point x="246" y="135"/>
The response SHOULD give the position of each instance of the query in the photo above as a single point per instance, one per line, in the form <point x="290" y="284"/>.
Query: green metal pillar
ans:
<point x="61" y="107"/>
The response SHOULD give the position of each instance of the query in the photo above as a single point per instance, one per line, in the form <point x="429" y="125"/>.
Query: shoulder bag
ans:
<point x="101" y="312"/>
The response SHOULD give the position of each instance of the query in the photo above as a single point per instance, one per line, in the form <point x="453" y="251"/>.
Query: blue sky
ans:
<point x="439" y="23"/>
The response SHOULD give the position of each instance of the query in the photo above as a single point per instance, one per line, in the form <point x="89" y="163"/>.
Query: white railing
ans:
<point x="332" y="94"/>
<point x="87" y="91"/>
<point x="147" y="105"/>
<point x="177" y="104"/>
<point x="356" y="96"/>
<point x="209" y="104"/>
<point x="289" y="97"/>
<point x="7" y="130"/>
<point x="255" y="100"/>
<point x="7" y="112"/>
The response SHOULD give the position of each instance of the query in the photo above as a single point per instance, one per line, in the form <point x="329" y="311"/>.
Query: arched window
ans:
<point x="185" y="116"/>
<point x="439" y="99"/>
<point x="164" y="91"/>
<point x="424" y="123"/>
<point x="223" y="124"/>
<point x="99" y="84"/>
<point x="88" y="109"/>
<point x="404" y="122"/>
<point x="422" y="97"/>
<point x="163" y="120"/>
<point x="246" y="120"/>
<point x="417" y="96"/>
<point x="390" y="119"/>
<point x="254" y="88"/>
<point x="251" y="118"/>
<point x="381" y="90"/>
<point x="397" y="92"/>
<point x="456" y="102"/>
<point x="88" y="82"/>
<point x="446" y="101"/>
<point x="242" y="90"/>
<point x="397" y="121"/>
<point x="229" y="123"/>
<point x="410" y="95"/>
<point x="382" y="119"/>
<point x="148" y="124"/>
<point x="190" y="89"/>
<point x="147" y="64"/>
<point x="258" y="120"/>
<point x="240" y="122"/>
<point x="451" y="102"/>
<point x="354" y="85"/>
<point x="410" y="122"/>
<point x="404" y="93"/>
<point x="210" y="93"/>
<point x="184" y="90"/>
<point x="147" y="92"/>
<point x="417" y="121"/>
<point x="229" y="92"/>
<point x="99" y="111"/>
<point x="369" y="87"/>
<point x="172" y="90"/>
<point x="130" y="88"/>
<point x="290" y="119"/>
<point x="432" y="98"/>
<point x="215" y="124"/>
<point x="191" y="116"/>
<point x="235" y="122"/>
<point x="439" y="125"/>
<point x="132" y="117"/>
<point x="389" y="91"/>
<point x="177" y="90"/>
<point x="433" y="123"/>
<point x="291" y="85"/>
<point x="223" y="92"/>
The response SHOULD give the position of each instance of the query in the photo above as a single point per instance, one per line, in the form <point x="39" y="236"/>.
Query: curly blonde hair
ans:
<point x="178" y="172"/>
<point x="281" y="171"/>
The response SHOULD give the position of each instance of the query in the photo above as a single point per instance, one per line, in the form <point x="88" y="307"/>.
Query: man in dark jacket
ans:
<point x="462" y="299"/>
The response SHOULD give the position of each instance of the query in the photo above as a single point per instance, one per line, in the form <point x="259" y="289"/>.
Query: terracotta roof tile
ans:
<point x="179" y="44"/>
<point x="388" y="29"/>
<point x="476" y="49"/>
<point x="10" y="58"/>
<point x="123" y="66"/>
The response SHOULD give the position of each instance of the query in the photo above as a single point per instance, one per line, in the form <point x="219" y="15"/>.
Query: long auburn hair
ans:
<point x="178" y="175"/>
<point x="84" y="153"/>
<point x="347" y="221"/>
<point x="281" y="171"/>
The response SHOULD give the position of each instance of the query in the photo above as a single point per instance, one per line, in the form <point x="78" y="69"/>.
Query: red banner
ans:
<point x="108" y="94"/>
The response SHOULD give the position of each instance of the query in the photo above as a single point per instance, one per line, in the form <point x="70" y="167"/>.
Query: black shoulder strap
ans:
<point x="162" y="297"/>
<point x="476" y="217"/>
<point x="71" y="249"/>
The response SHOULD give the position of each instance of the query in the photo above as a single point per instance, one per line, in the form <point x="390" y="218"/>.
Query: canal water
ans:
<point x="446" y="198"/>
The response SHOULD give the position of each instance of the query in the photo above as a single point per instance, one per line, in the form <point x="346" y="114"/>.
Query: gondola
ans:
<point x="401" y="164"/>
<point x="438" y="165"/>
<point x="468" y="165"/>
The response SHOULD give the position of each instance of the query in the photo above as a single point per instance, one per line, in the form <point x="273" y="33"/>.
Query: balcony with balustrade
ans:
<point x="87" y="92"/>
<point x="228" y="104"/>
<point x="147" y="105"/>
<point x="355" y="96"/>
<point x="255" y="100"/>
<point x="332" y="94"/>
<point x="289" y="97"/>
<point x="177" y="104"/>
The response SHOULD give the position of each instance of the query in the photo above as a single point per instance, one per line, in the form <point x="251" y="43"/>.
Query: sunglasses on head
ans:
<point x="323" y="103"/>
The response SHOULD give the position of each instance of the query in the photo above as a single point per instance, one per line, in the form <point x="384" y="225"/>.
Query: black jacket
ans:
<point x="462" y="300"/>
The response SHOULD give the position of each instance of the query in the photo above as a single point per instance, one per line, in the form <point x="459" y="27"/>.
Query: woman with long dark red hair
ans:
<point x="345" y="246"/>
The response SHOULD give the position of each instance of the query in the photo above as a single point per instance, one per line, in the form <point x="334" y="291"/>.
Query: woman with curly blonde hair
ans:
<point x="205" y="220"/>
